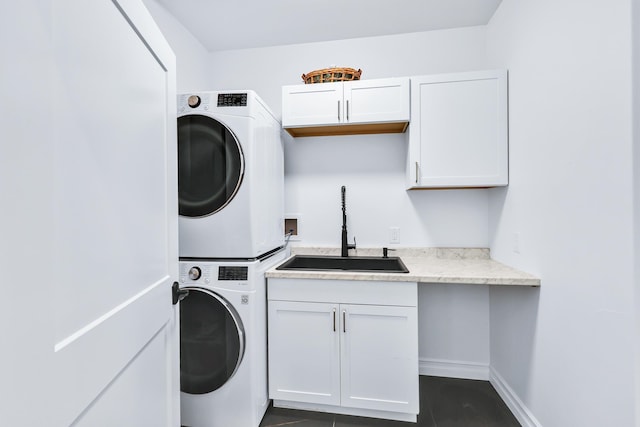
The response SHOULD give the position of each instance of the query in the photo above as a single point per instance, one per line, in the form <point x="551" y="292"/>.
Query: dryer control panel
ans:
<point x="232" y="100"/>
<point x="191" y="102"/>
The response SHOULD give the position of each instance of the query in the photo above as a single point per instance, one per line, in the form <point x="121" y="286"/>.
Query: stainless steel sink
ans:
<point x="336" y="263"/>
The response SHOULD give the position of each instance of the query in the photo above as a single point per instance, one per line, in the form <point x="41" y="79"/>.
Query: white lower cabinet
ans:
<point x="359" y="359"/>
<point x="376" y="348"/>
<point x="304" y="352"/>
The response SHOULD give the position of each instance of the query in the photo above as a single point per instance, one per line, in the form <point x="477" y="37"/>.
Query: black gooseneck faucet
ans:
<point x="345" y="245"/>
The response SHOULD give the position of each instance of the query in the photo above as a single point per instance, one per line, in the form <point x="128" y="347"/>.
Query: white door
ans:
<point x="89" y="218"/>
<point x="384" y="340"/>
<point x="304" y="352"/>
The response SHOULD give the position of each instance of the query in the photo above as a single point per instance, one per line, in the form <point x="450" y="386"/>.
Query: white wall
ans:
<point x="566" y="350"/>
<point x="191" y="56"/>
<point x="563" y="351"/>
<point x="267" y="69"/>
<point x="372" y="168"/>
<point x="454" y="330"/>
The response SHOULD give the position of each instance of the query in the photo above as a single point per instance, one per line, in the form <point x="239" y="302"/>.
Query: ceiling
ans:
<point x="240" y="24"/>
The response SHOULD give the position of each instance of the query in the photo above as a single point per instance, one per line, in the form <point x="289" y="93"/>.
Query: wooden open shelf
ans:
<point x="358" y="129"/>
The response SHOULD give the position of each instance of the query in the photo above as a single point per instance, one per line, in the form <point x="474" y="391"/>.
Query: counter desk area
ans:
<point x="425" y="265"/>
<point x="347" y="342"/>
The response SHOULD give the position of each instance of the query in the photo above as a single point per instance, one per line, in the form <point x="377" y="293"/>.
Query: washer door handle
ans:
<point x="178" y="294"/>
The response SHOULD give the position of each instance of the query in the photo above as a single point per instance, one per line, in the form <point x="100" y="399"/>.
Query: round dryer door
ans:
<point x="210" y="165"/>
<point x="212" y="341"/>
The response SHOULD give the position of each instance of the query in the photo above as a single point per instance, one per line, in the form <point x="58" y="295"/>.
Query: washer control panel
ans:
<point x="195" y="273"/>
<point x="190" y="273"/>
<point x="232" y="273"/>
<point x="203" y="273"/>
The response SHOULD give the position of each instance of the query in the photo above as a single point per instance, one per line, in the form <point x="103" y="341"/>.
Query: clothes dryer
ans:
<point x="223" y="343"/>
<point x="230" y="176"/>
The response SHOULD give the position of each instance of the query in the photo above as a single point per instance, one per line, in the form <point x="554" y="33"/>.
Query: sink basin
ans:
<point x="336" y="263"/>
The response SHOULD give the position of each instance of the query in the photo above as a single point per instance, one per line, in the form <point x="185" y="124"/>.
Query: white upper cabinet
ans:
<point x="312" y="104"/>
<point x="376" y="101"/>
<point x="344" y="108"/>
<point x="458" y="133"/>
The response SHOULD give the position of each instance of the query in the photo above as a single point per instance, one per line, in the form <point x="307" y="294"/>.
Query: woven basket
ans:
<point x="335" y="74"/>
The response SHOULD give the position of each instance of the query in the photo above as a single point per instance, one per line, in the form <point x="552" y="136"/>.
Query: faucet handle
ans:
<point x="385" y="252"/>
<point x="352" y="245"/>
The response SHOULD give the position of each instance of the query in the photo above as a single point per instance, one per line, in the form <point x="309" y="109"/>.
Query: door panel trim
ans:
<point x="87" y="329"/>
<point x="105" y="343"/>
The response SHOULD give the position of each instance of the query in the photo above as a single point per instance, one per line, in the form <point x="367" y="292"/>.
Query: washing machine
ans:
<point x="223" y="343"/>
<point x="230" y="176"/>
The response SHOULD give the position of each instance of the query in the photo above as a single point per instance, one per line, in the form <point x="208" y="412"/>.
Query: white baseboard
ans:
<point x="371" y="413"/>
<point x="454" y="369"/>
<point x="517" y="407"/>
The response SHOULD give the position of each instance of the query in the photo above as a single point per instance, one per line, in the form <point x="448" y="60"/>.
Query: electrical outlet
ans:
<point x="292" y="224"/>
<point x="394" y="235"/>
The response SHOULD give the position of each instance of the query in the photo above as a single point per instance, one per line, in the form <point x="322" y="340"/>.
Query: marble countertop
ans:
<point x="426" y="265"/>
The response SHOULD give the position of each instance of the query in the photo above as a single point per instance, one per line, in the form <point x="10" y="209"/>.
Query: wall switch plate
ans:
<point x="394" y="235"/>
<point x="516" y="242"/>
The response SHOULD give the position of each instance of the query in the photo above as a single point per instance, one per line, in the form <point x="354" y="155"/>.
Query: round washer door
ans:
<point x="212" y="341"/>
<point x="210" y="165"/>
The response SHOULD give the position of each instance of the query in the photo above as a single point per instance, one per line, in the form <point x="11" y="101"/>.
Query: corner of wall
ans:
<point x="191" y="55"/>
<point x="524" y="416"/>
<point x="635" y="46"/>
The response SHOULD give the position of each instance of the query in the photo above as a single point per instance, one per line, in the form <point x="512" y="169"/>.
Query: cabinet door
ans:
<point x="313" y="104"/>
<point x="458" y="131"/>
<point x="379" y="346"/>
<point x="379" y="100"/>
<point x="304" y="355"/>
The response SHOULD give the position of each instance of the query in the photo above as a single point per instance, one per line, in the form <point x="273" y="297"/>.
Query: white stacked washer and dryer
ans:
<point x="231" y="225"/>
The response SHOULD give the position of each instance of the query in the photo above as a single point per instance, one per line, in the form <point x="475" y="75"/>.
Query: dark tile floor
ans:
<point x="444" y="402"/>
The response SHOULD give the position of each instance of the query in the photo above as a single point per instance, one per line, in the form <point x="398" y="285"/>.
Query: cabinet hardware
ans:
<point x="347" y="110"/>
<point x="338" y="110"/>
<point x="417" y="172"/>
<point x="334" y="320"/>
<point x="344" y="321"/>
